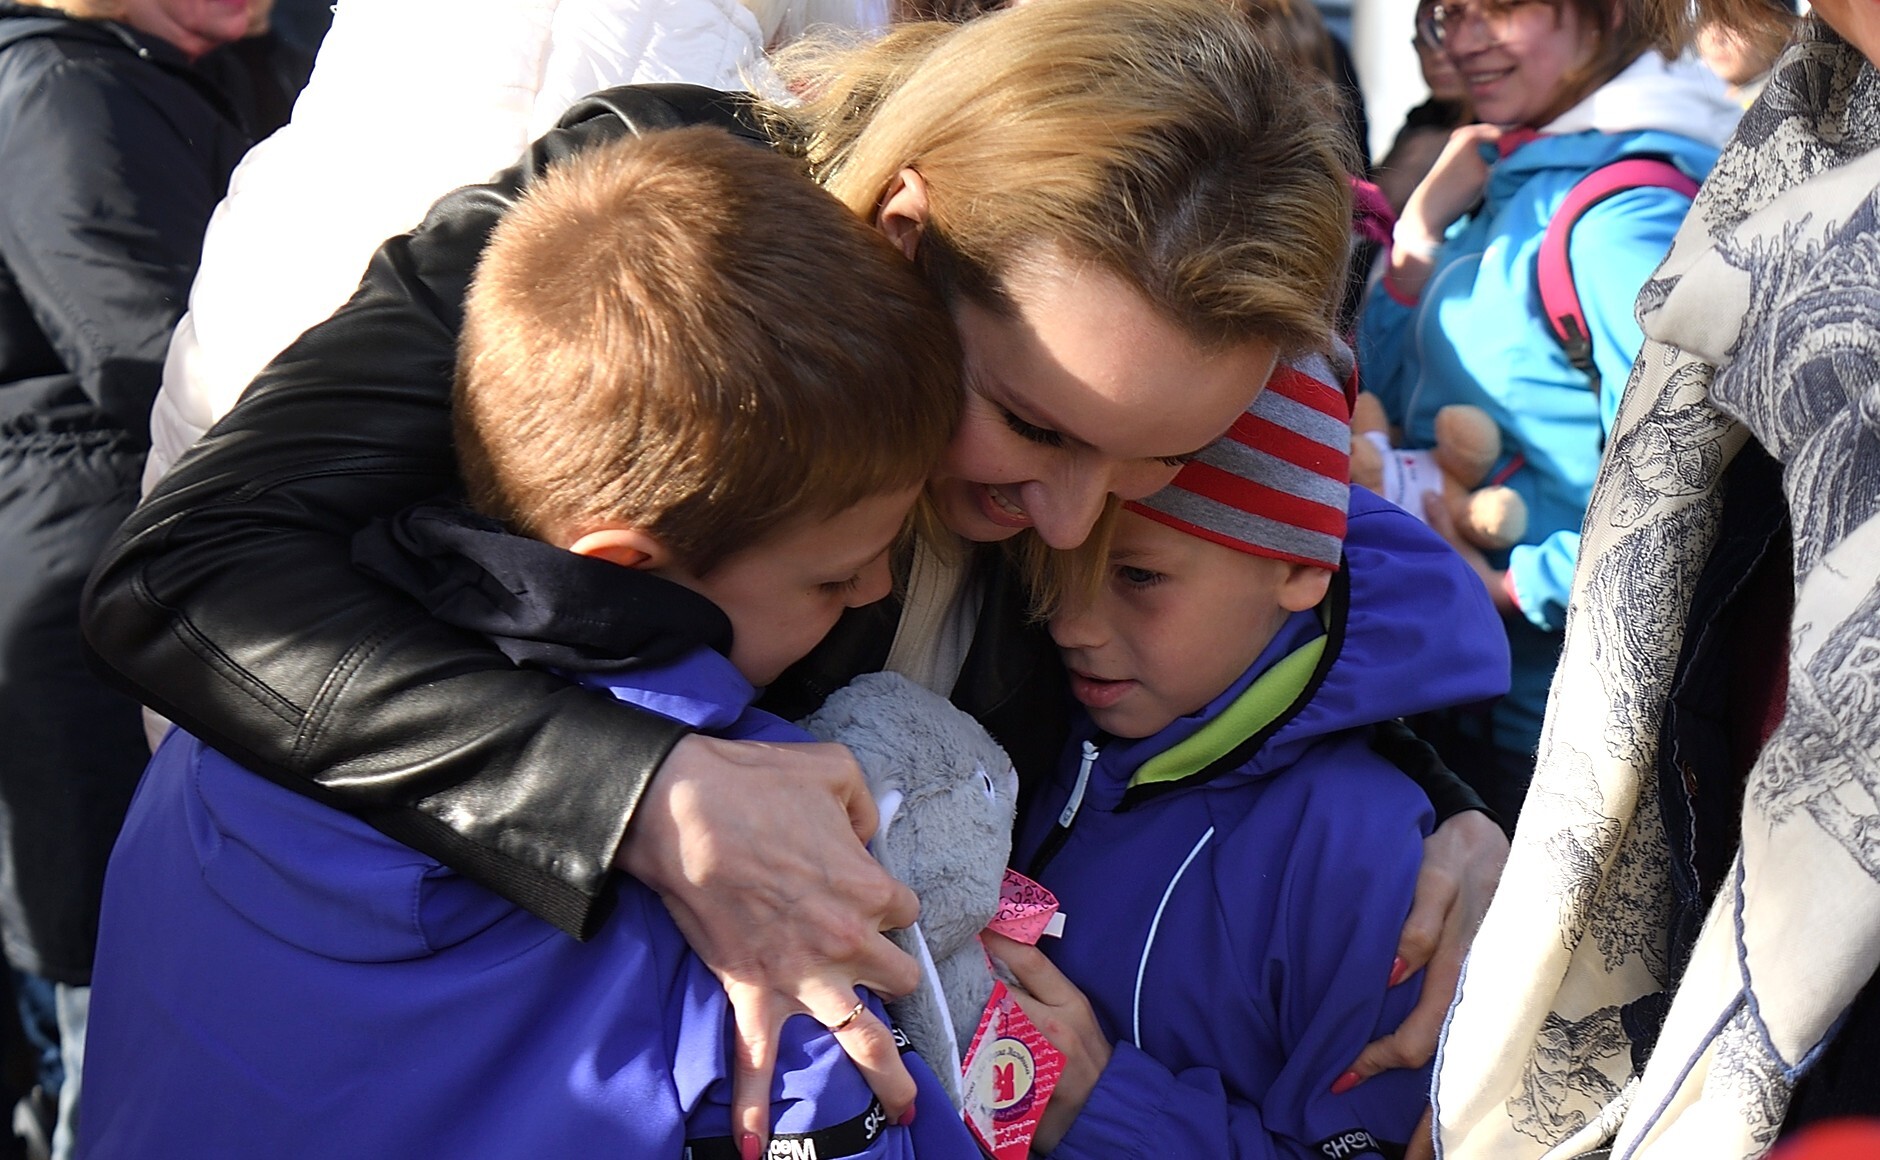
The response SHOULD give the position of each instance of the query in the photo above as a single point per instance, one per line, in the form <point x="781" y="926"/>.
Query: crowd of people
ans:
<point x="470" y="608"/>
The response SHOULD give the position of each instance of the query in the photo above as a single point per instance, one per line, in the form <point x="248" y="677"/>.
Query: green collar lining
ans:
<point x="1271" y="694"/>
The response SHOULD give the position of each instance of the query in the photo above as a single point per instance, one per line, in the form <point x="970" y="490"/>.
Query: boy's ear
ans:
<point x="627" y="547"/>
<point x="902" y="217"/>
<point x="1304" y="586"/>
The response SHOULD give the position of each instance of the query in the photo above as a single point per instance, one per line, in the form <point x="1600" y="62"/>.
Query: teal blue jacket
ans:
<point x="1478" y="335"/>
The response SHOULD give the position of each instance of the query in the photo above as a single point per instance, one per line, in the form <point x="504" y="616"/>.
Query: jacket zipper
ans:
<point x="1060" y="833"/>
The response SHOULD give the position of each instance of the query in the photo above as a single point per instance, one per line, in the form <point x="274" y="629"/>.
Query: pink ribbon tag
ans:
<point x="1008" y="1076"/>
<point x="1025" y="910"/>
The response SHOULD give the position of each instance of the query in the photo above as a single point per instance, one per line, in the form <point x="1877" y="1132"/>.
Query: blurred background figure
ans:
<point x="307" y="207"/>
<point x="1562" y="89"/>
<point x="1741" y="58"/>
<point x="119" y="125"/>
<point x="303" y="23"/>
<point x="1425" y="129"/>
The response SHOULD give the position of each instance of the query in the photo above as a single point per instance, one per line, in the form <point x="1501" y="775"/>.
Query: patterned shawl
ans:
<point x="1764" y="320"/>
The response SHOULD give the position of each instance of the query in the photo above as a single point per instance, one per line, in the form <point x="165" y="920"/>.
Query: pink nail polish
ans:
<point x="1398" y="969"/>
<point x="1346" y="1082"/>
<point x="750" y="1147"/>
<point x="907" y="1118"/>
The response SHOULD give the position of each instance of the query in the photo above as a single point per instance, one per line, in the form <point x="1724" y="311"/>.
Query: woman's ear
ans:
<point x="627" y="547"/>
<point x="1304" y="586"/>
<point x="902" y="216"/>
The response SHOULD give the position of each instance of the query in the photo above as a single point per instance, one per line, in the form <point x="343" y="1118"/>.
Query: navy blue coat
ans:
<point x="114" y="150"/>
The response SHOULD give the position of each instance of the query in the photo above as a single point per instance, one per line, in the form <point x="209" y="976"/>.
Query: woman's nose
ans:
<point x="1065" y="513"/>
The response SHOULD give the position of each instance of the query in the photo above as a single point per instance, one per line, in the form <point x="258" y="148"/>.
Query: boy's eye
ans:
<point x="1138" y="577"/>
<point x="1036" y="434"/>
<point x="1178" y="460"/>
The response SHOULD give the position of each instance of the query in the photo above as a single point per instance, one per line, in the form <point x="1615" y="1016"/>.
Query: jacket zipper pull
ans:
<point x="1060" y="833"/>
<point x="1077" y="791"/>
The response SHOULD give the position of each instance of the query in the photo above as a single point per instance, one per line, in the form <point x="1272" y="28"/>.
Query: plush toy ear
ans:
<point x="1468" y="443"/>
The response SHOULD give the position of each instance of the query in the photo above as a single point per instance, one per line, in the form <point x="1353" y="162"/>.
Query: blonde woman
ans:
<point x="1132" y="212"/>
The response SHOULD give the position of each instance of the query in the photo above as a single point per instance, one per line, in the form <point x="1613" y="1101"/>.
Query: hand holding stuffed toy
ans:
<point x="947" y="795"/>
<point x="1467" y="445"/>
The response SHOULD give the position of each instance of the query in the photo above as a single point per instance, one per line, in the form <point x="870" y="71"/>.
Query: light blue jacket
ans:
<point x="1478" y="335"/>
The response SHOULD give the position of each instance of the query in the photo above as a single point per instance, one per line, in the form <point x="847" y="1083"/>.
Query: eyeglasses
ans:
<point x="1439" y="22"/>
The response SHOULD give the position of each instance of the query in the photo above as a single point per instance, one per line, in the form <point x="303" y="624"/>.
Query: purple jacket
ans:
<point x="277" y="978"/>
<point x="1233" y="887"/>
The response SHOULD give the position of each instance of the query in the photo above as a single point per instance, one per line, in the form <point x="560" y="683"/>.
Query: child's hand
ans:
<point x="757" y="852"/>
<point x="1062" y="1014"/>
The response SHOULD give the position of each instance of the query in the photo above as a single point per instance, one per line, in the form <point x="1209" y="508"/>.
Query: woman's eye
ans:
<point x="1138" y="577"/>
<point x="1036" y="434"/>
<point x="843" y="587"/>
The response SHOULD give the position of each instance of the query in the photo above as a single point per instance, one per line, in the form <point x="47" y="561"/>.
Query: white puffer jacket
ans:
<point x="307" y="207"/>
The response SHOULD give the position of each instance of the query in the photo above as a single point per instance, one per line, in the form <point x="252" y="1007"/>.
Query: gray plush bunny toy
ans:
<point x="947" y="795"/>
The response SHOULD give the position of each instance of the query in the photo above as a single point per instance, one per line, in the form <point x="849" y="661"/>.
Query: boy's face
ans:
<point x="784" y="593"/>
<point x="1176" y="620"/>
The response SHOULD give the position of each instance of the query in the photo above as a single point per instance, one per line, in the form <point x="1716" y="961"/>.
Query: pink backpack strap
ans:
<point x="1559" y="299"/>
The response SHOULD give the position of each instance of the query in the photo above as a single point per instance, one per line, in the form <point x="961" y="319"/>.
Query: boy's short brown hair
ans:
<point x="680" y="332"/>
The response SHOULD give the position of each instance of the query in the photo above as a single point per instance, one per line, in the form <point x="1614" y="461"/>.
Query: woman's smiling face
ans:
<point x="1517" y="61"/>
<point x="1083" y="392"/>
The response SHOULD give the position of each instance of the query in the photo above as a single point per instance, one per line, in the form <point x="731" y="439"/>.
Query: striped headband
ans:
<point x="1278" y="483"/>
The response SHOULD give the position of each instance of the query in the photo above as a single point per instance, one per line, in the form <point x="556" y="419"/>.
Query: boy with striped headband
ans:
<point x="1232" y="858"/>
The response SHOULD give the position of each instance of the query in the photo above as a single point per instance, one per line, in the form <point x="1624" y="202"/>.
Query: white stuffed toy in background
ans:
<point x="947" y="795"/>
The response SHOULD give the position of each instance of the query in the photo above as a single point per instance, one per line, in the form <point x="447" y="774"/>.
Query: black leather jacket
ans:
<point x="228" y="601"/>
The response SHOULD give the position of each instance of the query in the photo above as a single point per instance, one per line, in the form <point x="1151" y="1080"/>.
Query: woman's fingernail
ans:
<point x="1346" y="1082"/>
<point x="907" y="1118"/>
<point x="1398" y="969"/>
<point x="750" y="1147"/>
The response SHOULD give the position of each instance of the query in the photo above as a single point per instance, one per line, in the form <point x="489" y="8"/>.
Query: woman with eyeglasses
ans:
<point x="1561" y="88"/>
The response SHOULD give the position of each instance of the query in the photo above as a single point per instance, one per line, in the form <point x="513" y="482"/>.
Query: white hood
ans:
<point x="1679" y="96"/>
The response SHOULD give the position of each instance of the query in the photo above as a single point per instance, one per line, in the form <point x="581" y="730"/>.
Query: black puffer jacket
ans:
<point x="228" y="602"/>
<point x="113" y="151"/>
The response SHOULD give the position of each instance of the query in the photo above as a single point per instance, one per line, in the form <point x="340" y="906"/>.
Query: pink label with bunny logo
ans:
<point x="1008" y="1075"/>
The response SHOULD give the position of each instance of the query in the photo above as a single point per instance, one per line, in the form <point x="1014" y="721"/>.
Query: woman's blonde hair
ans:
<point x="1156" y="138"/>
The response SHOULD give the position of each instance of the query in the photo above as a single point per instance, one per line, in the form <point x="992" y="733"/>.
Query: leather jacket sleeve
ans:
<point x="228" y="601"/>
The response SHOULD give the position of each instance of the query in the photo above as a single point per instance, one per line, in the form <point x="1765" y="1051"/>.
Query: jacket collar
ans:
<point x="543" y="606"/>
<point x="1232" y="733"/>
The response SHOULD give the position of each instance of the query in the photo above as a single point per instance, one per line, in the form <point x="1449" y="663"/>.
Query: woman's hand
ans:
<point x="758" y="853"/>
<point x="1462" y="863"/>
<point x="1062" y="1014"/>
<point x="1453" y="185"/>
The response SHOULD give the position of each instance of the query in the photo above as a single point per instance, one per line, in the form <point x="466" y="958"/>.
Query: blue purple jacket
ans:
<point x="1234" y="886"/>
<point x="275" y="977"/>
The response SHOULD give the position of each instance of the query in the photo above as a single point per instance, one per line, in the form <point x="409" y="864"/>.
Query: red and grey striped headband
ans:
<point x="1278" y="483"/>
